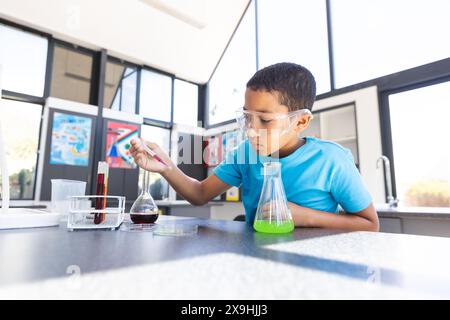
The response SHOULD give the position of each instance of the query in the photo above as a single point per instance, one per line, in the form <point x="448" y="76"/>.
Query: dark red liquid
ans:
<point x="140" y="218"/>
<point x="100" y="203"/>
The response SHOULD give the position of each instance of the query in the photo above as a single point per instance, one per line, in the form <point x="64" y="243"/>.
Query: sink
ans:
<point x="27" y="218"/>
<point x="385" y="207"/>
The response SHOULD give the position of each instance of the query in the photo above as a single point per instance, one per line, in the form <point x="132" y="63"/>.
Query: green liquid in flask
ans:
<point x="272" y="227"/>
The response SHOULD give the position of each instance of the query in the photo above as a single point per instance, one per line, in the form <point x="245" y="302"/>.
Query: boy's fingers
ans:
<point x="151" y="145"/>
<point x="134" y="142"/>
<point x="134" y="151"/>
<point x="138" y="158"/>
<point x="137" y="144"/>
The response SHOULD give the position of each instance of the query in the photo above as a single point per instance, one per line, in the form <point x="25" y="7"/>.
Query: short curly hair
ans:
<point x="294" y="84"/>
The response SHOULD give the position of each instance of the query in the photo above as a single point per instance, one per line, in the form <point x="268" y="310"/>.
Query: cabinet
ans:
<point x="337" y="124"/>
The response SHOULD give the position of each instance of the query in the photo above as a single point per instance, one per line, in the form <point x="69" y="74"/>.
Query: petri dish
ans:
<point x="175" y="229"/>
<point x="128" y="226"/>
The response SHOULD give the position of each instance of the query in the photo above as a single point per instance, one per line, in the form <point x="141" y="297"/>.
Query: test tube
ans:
<point x="102" y="190"/>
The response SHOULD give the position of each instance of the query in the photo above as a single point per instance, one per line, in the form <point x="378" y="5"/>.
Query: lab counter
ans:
<point x="224" y="260"/>
<point x="427" y="221"/>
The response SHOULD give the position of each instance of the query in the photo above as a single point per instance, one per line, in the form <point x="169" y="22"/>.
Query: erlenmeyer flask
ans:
<point x="273" y="214"/>
<point x="144" y="209"/>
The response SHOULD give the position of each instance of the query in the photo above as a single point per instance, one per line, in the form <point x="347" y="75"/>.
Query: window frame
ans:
<point x="421" y="76"/>
<point x="198" y="99"/>
<point x="38" y="151"/>
<point x="385" y="118"/>
<point x="206" y="122"/>
<point x="12" y="95"/>
<point x="78" y="49"/>
<point x="25" y="98"/>
<point x="152" y="121"/>
<point x="126" y="64"/>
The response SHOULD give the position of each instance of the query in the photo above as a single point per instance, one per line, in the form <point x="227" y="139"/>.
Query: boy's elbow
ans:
<point x="375" y="225"/>
<point x="198" y="202"/>
<point x="371" y="216"/>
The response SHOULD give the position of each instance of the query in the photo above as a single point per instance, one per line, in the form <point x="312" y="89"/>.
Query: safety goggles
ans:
<point x="254" y="122"/>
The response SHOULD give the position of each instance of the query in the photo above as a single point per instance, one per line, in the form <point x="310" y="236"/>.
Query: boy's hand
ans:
<point x="300" y="215"/>
<point x="145" y="161"/>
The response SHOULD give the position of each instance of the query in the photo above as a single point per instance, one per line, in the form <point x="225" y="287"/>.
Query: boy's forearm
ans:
<point x="307" y="217"/>
<point x="189" y="188"/>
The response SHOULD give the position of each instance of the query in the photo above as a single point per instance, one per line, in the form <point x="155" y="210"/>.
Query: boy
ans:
<point x="317" y="175"/>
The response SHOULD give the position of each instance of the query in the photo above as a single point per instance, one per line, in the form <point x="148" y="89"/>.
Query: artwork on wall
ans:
<point x="70" y="140"/>
<point x="213" y="151"/>
<point x="118" y="137"/>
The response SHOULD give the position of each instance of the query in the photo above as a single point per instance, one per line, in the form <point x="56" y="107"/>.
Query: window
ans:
<point x="185" y="104"/>
<point x="238" y="64"/>
<point x="155" y="96"/>
<point x="295" y="31"/>
<point x="23" y="57"/>
<point x="420" y="133"/>
<point x="22" y="145"/>
<point x="120" y="87"/>
<point x="376" y="38"/>
<point x="72" y="74"/>
<point x="159" y="187"/>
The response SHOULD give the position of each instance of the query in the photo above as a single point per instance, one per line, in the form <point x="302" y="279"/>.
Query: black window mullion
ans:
<point x="386" y="139"/>
<point x="256" y="34"/>
<point x="17" y="96"/>
<point x="120" y="95"/>
<point x="330" y="45"/>
<point x="157" y="123"/>
<point x="172" y="95"/>
<point x="201" y="105"/>
<point x="98" y="84"/>
<point x="138" y="91"/>
<point x="49" y="67"/>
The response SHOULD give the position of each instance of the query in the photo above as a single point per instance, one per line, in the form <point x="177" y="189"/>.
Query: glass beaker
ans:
<point x="273" y="214"/>
<point x="62" y="191"/>
<point x="144" y="210"/>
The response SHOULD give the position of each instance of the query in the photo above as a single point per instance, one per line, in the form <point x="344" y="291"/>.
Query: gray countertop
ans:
<point x="225" y="260"/>
<point x="413" y="212"/>
<point x="383" y="210"/>
<point x="164" y="203"/>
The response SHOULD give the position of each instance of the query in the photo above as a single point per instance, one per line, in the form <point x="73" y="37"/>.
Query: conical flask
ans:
<point x="144" y="209"/>
<point x="273" y="214"/>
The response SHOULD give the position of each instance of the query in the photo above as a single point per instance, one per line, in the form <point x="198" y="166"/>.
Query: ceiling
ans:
<point x="182" y="37"/>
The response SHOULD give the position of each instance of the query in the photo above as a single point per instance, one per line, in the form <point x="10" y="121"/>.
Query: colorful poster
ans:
<point x="118" y="137"/>
<point x="71" y="138"/>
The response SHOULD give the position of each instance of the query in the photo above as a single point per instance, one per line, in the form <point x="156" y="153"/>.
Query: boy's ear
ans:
<point x="303" y="122"/>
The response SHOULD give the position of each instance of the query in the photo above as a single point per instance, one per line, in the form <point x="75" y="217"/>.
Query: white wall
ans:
<point x="136" y="31"/>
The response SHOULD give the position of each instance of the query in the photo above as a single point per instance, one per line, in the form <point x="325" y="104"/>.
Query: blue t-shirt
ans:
<point x="319" y="175"/>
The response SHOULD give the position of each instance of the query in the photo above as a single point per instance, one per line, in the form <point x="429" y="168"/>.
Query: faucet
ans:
<point x="392" y="202"/>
